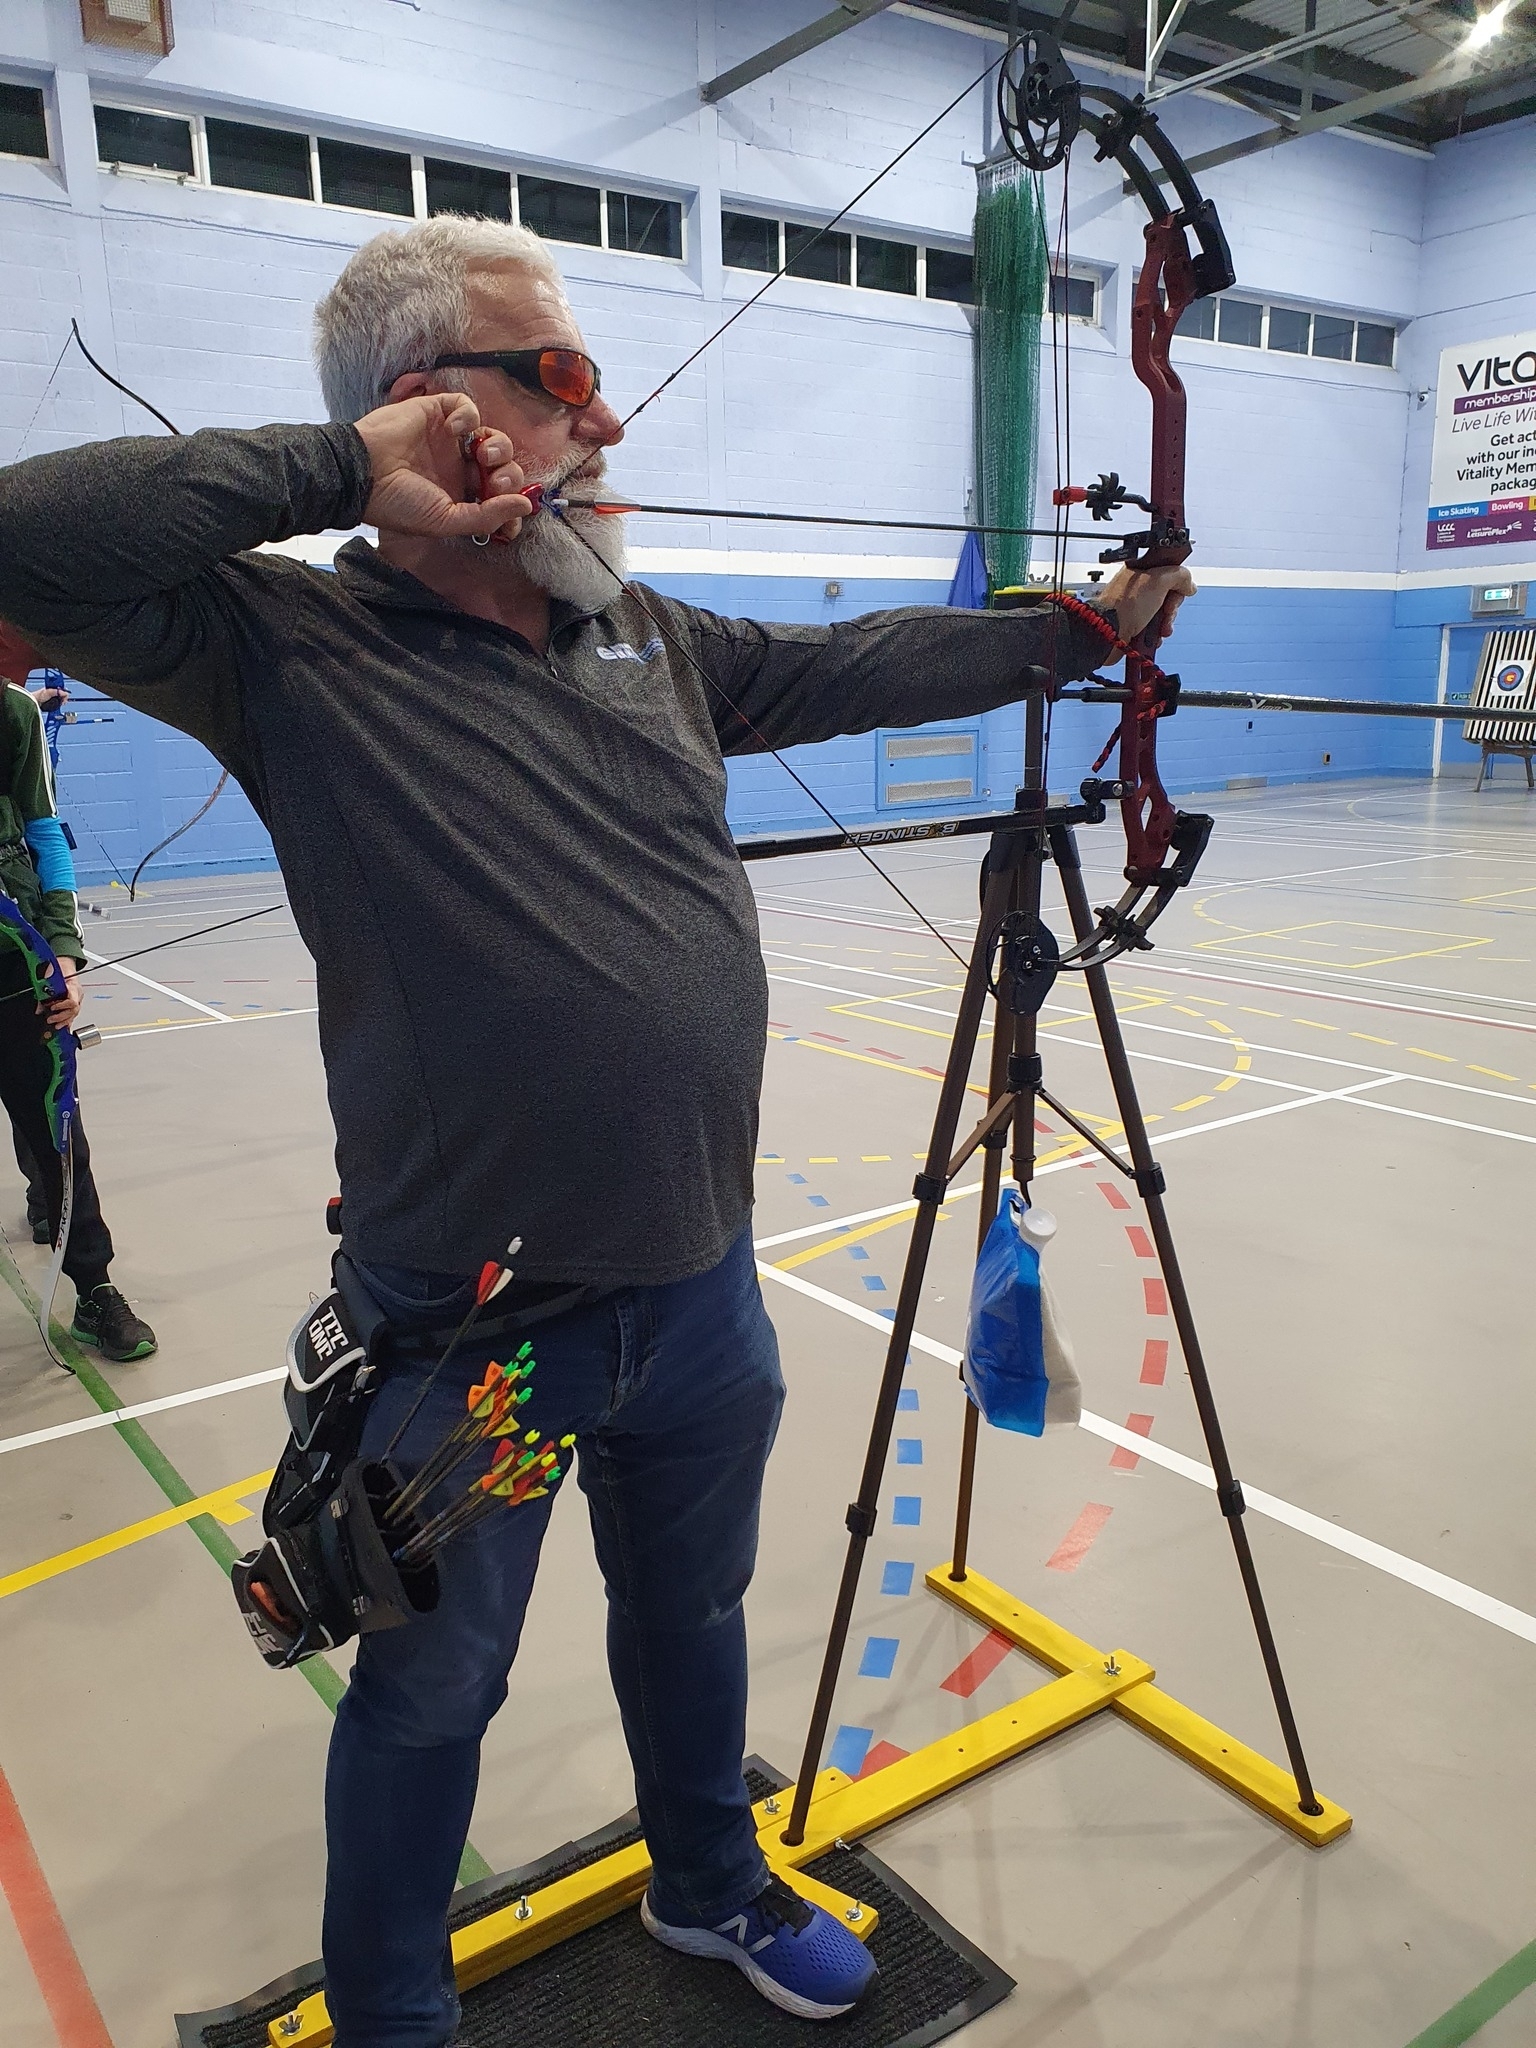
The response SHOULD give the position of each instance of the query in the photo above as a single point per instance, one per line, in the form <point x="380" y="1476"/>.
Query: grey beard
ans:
<point x="556" y="561"/>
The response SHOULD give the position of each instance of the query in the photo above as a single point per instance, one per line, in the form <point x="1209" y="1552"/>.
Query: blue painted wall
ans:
<point x="1307" y="479"/>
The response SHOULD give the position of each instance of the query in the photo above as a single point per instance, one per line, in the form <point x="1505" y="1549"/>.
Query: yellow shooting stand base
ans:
<point x="849" y="1809"/>
<point x="1222" y="1757"/>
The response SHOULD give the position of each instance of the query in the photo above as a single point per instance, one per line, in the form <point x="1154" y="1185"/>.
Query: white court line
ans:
<point x="866" y="995"/>
<point x="1318" y="874"/>
<point x="847" y="967"/>
<point x="219" y="1016"/>
<point x="1088" y="1156"/>
<point x="108" y="1416"/>
<point x="1324" y="995"/>
<point x="1135" y="1023"/>
<point x="762" y="1244"/>
<point x="110" y="1036"/>
<point x="1320" y="1059"/>
<point x="1453" y="1591"/>
<point x="1452" y="1123"/>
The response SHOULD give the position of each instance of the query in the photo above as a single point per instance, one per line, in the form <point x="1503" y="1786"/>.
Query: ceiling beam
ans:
<point x="1275" y="53"/>
<point x="847" y="16"/>
<point x="1445" y="76"/>
<point x="1342" y="67"/>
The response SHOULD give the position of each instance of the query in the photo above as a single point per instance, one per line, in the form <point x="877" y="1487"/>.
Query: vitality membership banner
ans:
<point x="1482" y="485"/>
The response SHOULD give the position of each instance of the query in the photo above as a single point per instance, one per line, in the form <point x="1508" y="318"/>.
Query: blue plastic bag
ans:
<point x="1005" y="1369"/>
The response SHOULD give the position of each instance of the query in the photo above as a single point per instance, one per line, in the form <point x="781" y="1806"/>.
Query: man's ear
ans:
<point x="414" y="384"/>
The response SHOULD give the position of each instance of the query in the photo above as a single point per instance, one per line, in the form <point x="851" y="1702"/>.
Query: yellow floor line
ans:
<point x="867" y="1059"/>
<point x="223" y="1505"/>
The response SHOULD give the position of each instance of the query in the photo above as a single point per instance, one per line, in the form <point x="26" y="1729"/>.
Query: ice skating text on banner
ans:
<point x="1482" y="487"/>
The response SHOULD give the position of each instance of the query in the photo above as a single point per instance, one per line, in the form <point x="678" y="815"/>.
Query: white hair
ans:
<point x="404" y="298"/>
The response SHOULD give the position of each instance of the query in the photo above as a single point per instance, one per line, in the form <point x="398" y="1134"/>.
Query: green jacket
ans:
<point x="27" y="782"/>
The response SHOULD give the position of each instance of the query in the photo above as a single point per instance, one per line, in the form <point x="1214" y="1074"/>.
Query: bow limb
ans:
<point x="1040" y="111"/>
<point x="218" y="788"/>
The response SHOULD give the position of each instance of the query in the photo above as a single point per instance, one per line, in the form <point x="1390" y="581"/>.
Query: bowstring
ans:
<point x="37" y="409"/>
<point x="662" y="626"/>
<point x="1058" y="263"/>
<point x="841" y="214"/>
<point x="678" y="645"/>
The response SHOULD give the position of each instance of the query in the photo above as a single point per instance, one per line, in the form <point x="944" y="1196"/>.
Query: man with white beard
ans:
<point x="497" y="792"/>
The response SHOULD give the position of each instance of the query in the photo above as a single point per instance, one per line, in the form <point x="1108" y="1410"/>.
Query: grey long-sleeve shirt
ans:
<point x="542" y="1003"/>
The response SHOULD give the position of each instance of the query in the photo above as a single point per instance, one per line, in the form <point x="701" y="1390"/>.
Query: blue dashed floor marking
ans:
<point x="856" y="1251"/>
<point x="907" y="1510"/>
<point x="796" y="1180"/>
<point x="820" y="1201"/>
<point x="909" y="1450"/>
<point x="849" y="1748"/>
<point x="874" y="1283"/>
<point x="897" y="1578"/>
<point x="879" y="1658"/>
<point x="907" y="1398"/>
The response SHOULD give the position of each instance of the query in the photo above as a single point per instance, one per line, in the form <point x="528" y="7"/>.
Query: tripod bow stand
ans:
<point x="1015" y="960"/>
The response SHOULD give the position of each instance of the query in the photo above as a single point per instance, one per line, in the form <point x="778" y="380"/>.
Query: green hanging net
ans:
<point x="1011" y="272"/>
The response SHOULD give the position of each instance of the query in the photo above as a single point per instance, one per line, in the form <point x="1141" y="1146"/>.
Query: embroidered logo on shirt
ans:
<point x="624" y="652"/>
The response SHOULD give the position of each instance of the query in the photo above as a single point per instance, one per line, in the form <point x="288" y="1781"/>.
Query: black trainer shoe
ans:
<point x="103" y="1318"/>
<point x="41" y="1234"/>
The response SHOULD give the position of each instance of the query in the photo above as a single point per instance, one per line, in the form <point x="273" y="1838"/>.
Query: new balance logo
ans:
<point x="736" y="1930"/>
<point x="624" y="652"/>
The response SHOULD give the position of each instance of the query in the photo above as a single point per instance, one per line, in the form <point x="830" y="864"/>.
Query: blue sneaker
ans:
<point x="791" y="1951"/>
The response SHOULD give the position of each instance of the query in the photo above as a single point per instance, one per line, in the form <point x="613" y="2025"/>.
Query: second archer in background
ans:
<point x="36" y="871"/>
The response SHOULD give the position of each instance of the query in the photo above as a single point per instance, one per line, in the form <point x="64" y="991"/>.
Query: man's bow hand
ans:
<point x="428" y="481"/>
<point x="1138" y="597"/>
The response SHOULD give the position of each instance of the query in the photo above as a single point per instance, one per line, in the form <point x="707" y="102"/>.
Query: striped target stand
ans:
<point x="1506" y="681"/>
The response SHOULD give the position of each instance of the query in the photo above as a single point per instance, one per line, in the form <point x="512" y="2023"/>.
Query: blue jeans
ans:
<point x="673" y="1394"/>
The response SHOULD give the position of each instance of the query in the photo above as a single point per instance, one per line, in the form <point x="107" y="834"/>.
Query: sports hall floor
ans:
<point x="1337" y="1038"/>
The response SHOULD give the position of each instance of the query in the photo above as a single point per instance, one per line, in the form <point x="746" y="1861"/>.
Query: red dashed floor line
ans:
<point x="1124" y="1460"/>
<point x="830" y="1036"/>
<point x="880" y="1754"/>
<point x="1141" y="1244"/>
<point x="881" y="1052"/>
<point x="1079" y="1539"/>
<point x="1154" y="1362"/>
<point x="1155" y="1294"/>
<point x="1111" y="1194"/>
<point x="971" y="1671"/>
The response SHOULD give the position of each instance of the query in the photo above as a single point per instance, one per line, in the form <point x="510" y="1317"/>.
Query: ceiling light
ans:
<point x="1488" y="25"/>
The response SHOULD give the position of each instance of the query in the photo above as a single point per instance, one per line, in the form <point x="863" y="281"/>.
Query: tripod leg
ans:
<point x="930" y="1188"/>
<point x="991" y="1182"/>
<point x="1015" y="1070"/>
<point x="1149" y="1182"/>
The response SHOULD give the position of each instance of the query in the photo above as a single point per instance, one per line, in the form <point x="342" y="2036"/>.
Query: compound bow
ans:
<point x="1040" y="112"/>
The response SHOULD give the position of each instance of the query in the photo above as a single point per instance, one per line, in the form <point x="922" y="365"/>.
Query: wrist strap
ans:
<point x="1090" y="615"/>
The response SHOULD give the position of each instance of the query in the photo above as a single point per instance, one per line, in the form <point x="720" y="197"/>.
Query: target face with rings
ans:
<point x="1510" y="677"/>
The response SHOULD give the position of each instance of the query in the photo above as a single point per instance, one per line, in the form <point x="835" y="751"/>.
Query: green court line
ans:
<point x="322" y="1677"/>
<point x="1469" y="2015"/>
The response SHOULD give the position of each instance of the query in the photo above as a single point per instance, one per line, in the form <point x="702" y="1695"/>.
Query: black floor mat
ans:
<point x="613" y="1987"/>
